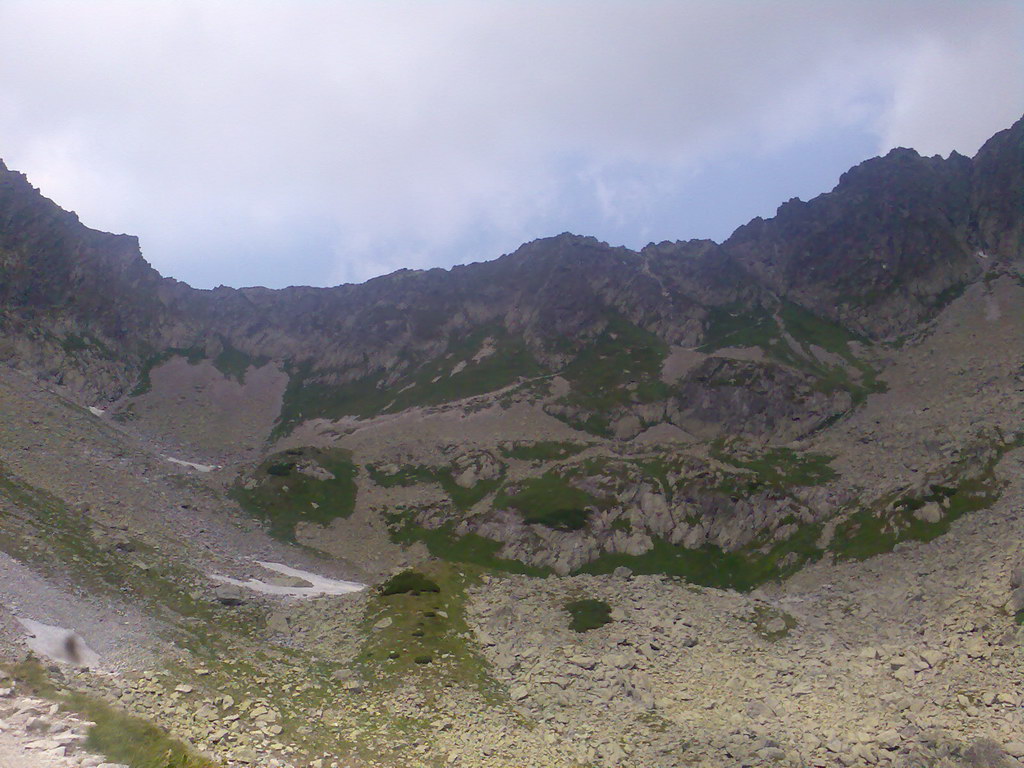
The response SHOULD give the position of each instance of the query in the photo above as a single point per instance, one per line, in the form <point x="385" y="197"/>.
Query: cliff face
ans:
<point x="883" y="252"/>
<point x="78" y="305"/>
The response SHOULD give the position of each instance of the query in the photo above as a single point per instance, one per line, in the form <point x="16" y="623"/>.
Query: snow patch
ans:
<point x="96" y="411"/>
<point x="487" y="349"/>
<point x="193" y="465"/>
<point x="59" y="644"/>
<point x="319" y="585"/>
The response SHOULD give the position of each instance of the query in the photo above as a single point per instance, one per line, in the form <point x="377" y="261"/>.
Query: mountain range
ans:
<point x="755" y="502"/>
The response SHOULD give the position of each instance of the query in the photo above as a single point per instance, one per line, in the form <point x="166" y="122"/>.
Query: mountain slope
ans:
<point x="755" y="503"/>
<point x="878" y="255"/>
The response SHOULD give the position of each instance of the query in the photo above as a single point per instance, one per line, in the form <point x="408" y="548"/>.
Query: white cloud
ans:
<point x="958" y="83"/>
<point x="359" y="137"/>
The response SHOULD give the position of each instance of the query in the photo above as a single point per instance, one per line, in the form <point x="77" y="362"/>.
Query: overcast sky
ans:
<point x="294" y="142"/>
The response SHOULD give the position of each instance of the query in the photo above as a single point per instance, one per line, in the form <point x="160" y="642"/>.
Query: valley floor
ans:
<point x="908" y="658"/>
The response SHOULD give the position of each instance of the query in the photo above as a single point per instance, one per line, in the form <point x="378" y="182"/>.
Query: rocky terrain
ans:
<point x="738" y="504"/>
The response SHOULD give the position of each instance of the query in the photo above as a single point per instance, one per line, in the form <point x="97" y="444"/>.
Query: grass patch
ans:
<point x="772" y="624"/>
<point x="283" y="492"/>
<point x="585" y="615"/>
<point x="657" y="469"/>
<point x="414" y="474"/>
<point x="621" y="366"/>
<point x="137" y="743"/>
<point x="808" y="328"/>
<point x="780" y="468"/>
<point x="445" y="544"/>
<point x="427" y="641"/>
<point x="711" y="566"/>
<point x="743" y="326"/>
<point x="41" y="531"/>
<point x="72" y="343"/>
<point x="879" y="528"/>
<point x="459" y="372"/>
<point x="544" y="450"/>
<point x="550" y="500"/>
<point x="873" y="531"/>
<point x="234" y="363"/>
<point x="408" y="581"/>
<point x="118" y="736"/>
<point x="738" y="326"/>
<point x="194" y="355"/>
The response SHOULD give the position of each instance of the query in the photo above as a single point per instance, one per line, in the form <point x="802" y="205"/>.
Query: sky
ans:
<point x="308" y="142"/>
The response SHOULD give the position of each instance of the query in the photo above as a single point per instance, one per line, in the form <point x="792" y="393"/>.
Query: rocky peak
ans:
<point x="897" y="237"/>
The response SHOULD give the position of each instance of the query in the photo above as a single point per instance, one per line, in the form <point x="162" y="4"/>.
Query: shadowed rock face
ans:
<point x="882" y="252"/>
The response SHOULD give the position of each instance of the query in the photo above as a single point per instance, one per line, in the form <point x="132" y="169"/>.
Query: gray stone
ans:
<point x="929" y="513"/>
<point x="1016" y="602"/>
<point x="518" y="692"/>
<point x="282" y="580"/>
<point x="1014" y="748"/>
<point x="231" y="595"/>
<point x="1017" y="577"/>
<point x="985" y="753"/>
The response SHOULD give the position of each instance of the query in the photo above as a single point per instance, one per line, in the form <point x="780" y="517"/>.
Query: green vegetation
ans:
<point x="422" y="636"/>
<point x="555" y="500"/>
<point x="754" y="326"/>
<point x="406" y="475"/>
<point x="879" y="528"/>
<point x="73" y="343"/>
<point x="808" y="328"/>
<point x="772" y="624"/>
<point x="193" y="354"/>
<point x="950" y="294"/>
<point x="550" y="500"/>
<point x="120" y="737"/>
<point x="299" y="485"/>
<point x="586" y="615"/>
<point x="130" y="740"/>
<point x="872" y="531"/>
<point x="234" y="363"/>
<point x="408" y="581"/>
<point x="461" y="372"/>
<point x="864" y="533"/>
<point x="414" y="474"/>
<point x="40" y="530"/>
<point x="443" y="543"/>
<point x="621" y="366"/>
<point x="710" y="566"/>
<point x="231" y="362"/>
<point x="544" y="450"/>
<point x="739" y="326"/>
<point x="779" y="468"/>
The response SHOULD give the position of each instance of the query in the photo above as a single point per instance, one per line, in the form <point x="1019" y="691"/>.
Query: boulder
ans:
<point x="1017" y="577"/>
<point x="929" y="513"/>
<point x="231" y="595"/>
<point x="986" y="753"/>
<point x="1016" y="602"/>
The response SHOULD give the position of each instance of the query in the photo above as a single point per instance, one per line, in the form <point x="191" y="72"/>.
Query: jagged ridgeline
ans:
<point x="648" y="409"/>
